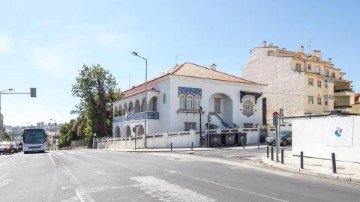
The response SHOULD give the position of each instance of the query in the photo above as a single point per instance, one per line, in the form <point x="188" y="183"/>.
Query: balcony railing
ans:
<point x="342" y="90"/>
<point x="342" y="106"/>
<point x="136" y="116"/>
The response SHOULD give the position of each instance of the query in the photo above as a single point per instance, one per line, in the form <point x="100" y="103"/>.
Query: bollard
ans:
<point x="243" y="139"/>
<point x="282" y="156"/>
<point x="192" y="146"/>
<point x="272" y="153"/>
<point x="267" y="151"/>
<point x="171" y="146"/>
<point x="302" y="160"/>
<point x="333" y="162"/>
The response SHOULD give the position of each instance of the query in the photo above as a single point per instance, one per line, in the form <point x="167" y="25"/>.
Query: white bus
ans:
<point x="34" y="140"/>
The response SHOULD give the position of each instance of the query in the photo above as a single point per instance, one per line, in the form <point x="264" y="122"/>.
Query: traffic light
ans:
<point x="32" y="92"/>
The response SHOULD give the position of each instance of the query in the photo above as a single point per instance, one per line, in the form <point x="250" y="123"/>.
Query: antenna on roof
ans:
<point x="176" y="59"/>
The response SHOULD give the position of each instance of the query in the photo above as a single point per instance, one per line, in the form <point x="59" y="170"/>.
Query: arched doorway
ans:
<point x="140" y="130"/>
<point x="117" y="132"/>
<point x="153" y="104"/>
<point x="128" y="131"/>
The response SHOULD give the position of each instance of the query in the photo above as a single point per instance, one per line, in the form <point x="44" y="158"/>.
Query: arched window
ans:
<point x="189" y="102"/>
<point x="182" y="101"/>
<point x="248" y="106"/>
<point x="197" y="102"/>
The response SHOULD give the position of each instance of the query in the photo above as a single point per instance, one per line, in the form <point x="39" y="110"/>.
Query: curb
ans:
<point x="274" y="164"/>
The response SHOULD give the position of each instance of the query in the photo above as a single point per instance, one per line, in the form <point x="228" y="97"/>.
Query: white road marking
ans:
<point x="5" y="182"/>
<point x="72" y="199"/>
<point x="164" y="191"/>
<point x="237" y="189"/>
<point x="185" y="157"/>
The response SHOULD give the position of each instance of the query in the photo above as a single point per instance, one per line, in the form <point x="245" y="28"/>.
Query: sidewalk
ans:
<point x="189" y="149"/>
<point x="346" y="171"/>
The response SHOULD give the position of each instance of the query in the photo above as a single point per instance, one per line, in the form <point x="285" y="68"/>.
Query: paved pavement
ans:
<point x="254" y="155"/>
<point x="345" y="171"/>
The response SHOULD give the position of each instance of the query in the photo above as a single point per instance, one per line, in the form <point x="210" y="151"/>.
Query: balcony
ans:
<point x="343" y="92"/>
<point x="343" y="108"/>
<point x="136" y="116"/>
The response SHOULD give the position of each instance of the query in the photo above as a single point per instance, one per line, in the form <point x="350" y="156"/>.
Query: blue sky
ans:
<point x="43" y="44"/>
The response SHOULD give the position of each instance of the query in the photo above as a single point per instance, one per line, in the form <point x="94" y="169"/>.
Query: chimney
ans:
<point x="329" y="60"/>
<point x="213" y="66"/>
<point x="317" y="53"/>
<point x="301" y="49"/>
<point x="264" y="44"/>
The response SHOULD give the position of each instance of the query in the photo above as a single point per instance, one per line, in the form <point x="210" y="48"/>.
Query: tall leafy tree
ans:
<point x="96" y="88"/>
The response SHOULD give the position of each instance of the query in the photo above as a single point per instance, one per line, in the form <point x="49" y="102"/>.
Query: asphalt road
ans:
<point x="93" y="175"/>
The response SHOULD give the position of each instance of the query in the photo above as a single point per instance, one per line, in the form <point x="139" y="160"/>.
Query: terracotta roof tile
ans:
<point x="189" y="70"/>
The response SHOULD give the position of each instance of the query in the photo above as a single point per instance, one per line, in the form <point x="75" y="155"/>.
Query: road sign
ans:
<point x="275" y="118"/>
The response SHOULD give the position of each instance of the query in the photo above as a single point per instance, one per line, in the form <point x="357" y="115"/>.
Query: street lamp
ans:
<point x="10" y="89"/>
<point x="54" y="127"/>
<point x="135" y="54"/>
<point x="200" y="110"/>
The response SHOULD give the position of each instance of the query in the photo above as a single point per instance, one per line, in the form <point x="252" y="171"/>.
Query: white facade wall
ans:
<point x="316" y="138"/>
<point x="209" y="88"/>
<point x="170" y="119"/>
<point x="285" y="87"/>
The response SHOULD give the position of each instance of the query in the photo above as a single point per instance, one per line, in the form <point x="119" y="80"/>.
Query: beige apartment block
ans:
<point x="300" y="83"/>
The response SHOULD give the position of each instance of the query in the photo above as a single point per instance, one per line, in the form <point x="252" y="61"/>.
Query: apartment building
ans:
<point x="298" y="82"/>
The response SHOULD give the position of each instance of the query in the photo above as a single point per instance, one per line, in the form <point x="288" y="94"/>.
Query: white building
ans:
<point x="175" y="97"/>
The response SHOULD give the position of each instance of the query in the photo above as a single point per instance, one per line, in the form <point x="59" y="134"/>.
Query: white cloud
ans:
<point x="6" y="43"/>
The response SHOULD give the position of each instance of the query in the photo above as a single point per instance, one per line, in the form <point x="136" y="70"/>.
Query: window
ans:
<point x="326" y="72"/>
<point x="340" y="77"/>
<point x="247" y="106"/>
<point x="182" y="101"/>
<point x="217" y="106"/>
<point x="317" y="69"/>
<point x="271" y="53"/>
<point x="319" y="84"/>
<point x="189" y="102"/>
<point x="333" y="74"/>
<point x="248" y="125"/>
<point x="164" y="98"/>
<point x="298" y="67"/>
<point x="190" y="125"/>
<point x="326" y="102"/>
<point x="319" y="101"/>
<point x="311" y="99"/>
<point x="326" y="97"/>
<point x="310" y="81"/>
<point x="309" y="67"/>
<point x="326" y="85"/>
<point x="197" y="102"/>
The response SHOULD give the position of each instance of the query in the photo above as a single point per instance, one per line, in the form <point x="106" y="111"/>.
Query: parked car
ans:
<point x="285" y="138"/>
<point x="6" y="147"/>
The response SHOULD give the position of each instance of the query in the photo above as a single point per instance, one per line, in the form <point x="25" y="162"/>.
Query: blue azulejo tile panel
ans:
<point x="189" y="90"/>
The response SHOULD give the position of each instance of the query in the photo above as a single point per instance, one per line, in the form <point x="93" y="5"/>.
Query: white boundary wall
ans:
<point x="182" y="139"/>
<point x="317" y="138"/>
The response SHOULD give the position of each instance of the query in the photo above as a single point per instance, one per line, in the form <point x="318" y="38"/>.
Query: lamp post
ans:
<point x="200" y="110"/>
<point x="55" y="124"/>
<point x="137" y="55"/>
<point x="1" y="126"/>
